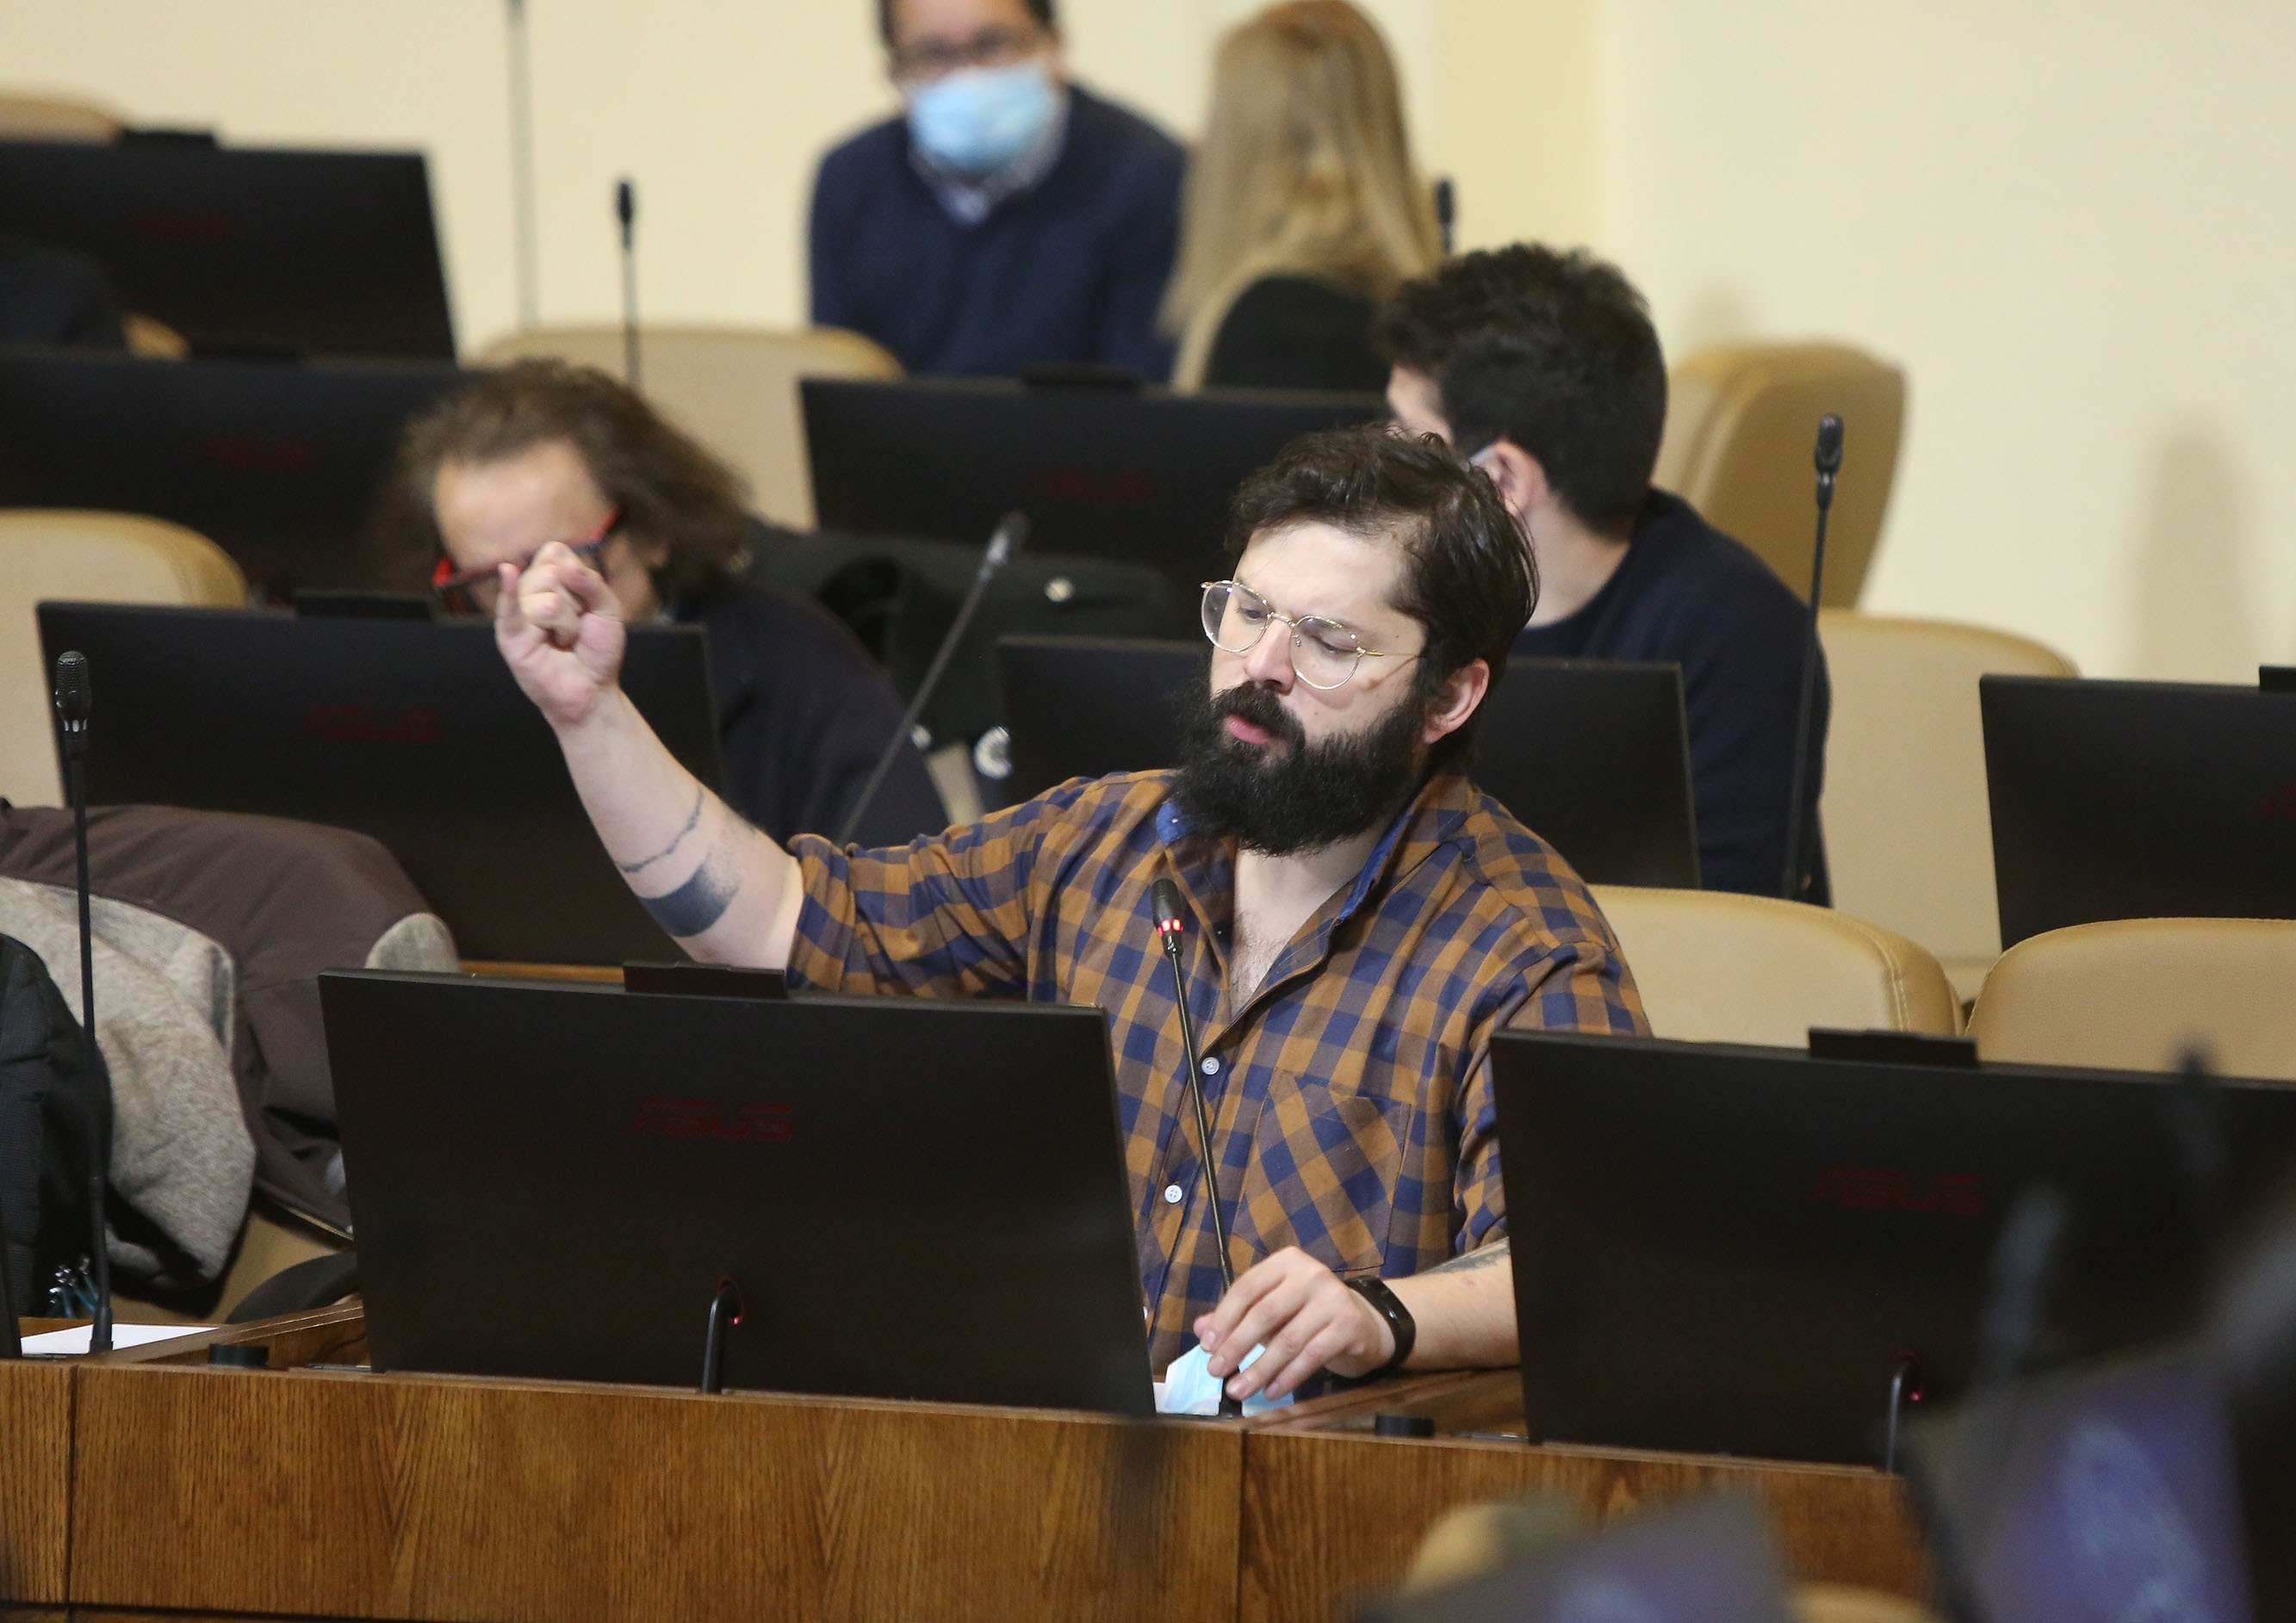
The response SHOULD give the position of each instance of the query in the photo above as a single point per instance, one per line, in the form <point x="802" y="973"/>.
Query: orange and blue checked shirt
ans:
<point x="1350" y="1097"/>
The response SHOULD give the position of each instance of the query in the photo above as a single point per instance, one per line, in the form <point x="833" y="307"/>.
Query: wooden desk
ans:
<point x="1331" y="1512"/>
<point x="147" y="1481"/>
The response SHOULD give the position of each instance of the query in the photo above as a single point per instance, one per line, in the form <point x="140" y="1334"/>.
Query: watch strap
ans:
<point x="1389" y="1306"/>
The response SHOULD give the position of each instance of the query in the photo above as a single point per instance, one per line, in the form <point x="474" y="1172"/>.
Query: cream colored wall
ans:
<point x="2069" y="220"/>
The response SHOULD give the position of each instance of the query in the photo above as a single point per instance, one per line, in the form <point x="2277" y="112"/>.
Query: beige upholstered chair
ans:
<point x="1908" y="833"/>
<point x="734" y="389"/>
<point x="101" y="557"/>
<point x="1741" y="423"/>
<point x="26" y="116"/>
<point x="1715" y="967"/>
<point x="2134" y="994"/>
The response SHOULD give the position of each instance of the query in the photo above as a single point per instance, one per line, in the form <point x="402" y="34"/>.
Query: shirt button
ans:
<point x="1171" y="1195"/>
<point x="1211" y="1068"/>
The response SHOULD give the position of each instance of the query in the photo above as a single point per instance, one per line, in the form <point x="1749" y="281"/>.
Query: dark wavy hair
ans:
<point x="1468" y="579"/>
<point x="1555" y="351"/>
<point x="670" y="489"/>
<point x="1041" y="9"/>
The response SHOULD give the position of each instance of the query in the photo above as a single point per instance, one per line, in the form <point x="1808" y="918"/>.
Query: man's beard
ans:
<point x="1289" y="796"/>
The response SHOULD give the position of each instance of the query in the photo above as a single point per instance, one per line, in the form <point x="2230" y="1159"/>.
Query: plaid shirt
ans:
<point x="1351" y="1098"/>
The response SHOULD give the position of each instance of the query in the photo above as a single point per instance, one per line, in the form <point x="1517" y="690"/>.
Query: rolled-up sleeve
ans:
<point x="946" y="916"/>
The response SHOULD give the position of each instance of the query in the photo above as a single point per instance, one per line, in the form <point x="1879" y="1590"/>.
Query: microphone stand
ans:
<point x="1828" y="461"/>
<point x="1011" y="534"/>
<point x="1171" y="921"/>
<point x="521" y="169"/>
<point x="73" y="700"/>
<point x="625" y="212"/>
<point x="12" y="1345"/>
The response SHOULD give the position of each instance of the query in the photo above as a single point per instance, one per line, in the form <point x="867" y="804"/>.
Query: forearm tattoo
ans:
<point x="701" y="901"/>
<point x="1482" y="1256"/>
<point x="693" y="817"/>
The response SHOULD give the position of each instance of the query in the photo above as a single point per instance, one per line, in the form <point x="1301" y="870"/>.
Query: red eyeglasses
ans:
<point x="456" y="586"/>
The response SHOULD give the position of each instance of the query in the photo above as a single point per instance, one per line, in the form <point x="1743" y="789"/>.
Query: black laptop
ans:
<point x="1592" y="754"/>
<point x="242" y="248"/>
<point x="1128" y="475"/>
<point x="1734" y="1251"/>
<point x="276" y="462"/>
<point x="414" y="732"/>
<point x="912" y="1198"/>
<point x="2139" y="800"/>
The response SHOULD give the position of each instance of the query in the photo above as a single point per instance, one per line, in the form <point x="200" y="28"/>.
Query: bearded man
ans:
<point x="1364" y="918"/>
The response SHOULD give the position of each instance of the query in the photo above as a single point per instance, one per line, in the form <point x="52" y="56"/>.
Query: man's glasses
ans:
<point x="1325" y="653"/>
<point x="994" y="48"/>
<point x="473" y="591"/>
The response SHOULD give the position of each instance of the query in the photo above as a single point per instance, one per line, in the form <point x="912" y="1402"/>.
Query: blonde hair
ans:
<point x="1304" y="168"/>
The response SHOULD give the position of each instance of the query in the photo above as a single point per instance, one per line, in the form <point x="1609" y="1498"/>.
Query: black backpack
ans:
<point x="50" y="1122"/>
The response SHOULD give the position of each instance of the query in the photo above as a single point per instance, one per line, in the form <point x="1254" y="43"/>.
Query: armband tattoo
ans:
<point x="701" y="901"/>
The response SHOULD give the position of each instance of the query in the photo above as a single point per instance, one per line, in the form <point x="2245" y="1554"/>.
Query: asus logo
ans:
<point x="363" y="724"/>
<point x="1951" y="1194"/>
<point x="702" y="1118"/>
<point x="250" y="454"/>
<point x="1127" y="488"/>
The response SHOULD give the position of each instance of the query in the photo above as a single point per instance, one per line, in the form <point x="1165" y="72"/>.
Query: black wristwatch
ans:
<point x="1400" y="1324"/>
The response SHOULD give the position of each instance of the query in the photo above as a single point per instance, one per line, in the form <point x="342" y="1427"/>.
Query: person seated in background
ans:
<point x="542" y="452"/>
<point x="1010" y="219"/>
<point x="1302" y="210"/>
<point x="1544" y="367"/>
<point x="50" y="297"/>
<point x="1363" y="919"/>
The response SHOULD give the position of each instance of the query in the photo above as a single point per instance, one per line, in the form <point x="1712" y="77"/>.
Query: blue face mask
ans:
<point x="978" y="120"/>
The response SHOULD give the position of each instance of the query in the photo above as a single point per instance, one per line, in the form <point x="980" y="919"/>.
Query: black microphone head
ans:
<point x="74" y="695"/>
<point x="1829" y="444"/>
<point x="625" y="203"/>
<point x="1171" y="917"/>
<point x="1446" y="201"/>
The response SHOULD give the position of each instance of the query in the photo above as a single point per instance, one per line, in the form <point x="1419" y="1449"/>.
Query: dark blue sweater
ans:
<point x="1687" y="595"/>
<point x="1069" y="270"/>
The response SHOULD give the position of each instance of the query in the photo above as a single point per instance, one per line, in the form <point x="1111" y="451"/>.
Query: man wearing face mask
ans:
<point x="1009" y="219"/>
<point x="1362" y="918"/>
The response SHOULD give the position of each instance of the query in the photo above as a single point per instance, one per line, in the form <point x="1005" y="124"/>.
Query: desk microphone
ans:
<point x="1171" y="924"/>
<point x="1828" y="461"/>
<point x="74" y="698"/>
<point x="1011" y="534"/>
<point x="625" y="213"/>
<point x="521" y="169"/>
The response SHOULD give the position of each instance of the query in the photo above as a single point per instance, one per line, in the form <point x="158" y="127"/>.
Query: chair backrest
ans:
<point x="1908" y="832"/>
<point x="734" y="389"/>
<point x="30" y="117"/>
<point x="1741" y="422"/>
<point x="2134" y="994"/>
<point x="97" y="557"/>
<point x="1718" y="967"/>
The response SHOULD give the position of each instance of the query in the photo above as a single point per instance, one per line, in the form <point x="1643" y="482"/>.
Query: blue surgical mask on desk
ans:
<point x="978" y="120"/>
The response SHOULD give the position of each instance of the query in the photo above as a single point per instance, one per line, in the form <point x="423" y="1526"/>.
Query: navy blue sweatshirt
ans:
<point x="802" y="713"/>
<point x="1070" y="271"/>
<point x="1687" y="595"/>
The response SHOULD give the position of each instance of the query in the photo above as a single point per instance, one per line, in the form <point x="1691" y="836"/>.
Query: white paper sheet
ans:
<point x="70" y="1343"/>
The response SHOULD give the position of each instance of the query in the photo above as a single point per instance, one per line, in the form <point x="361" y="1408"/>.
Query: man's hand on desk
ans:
<point x="1309" y="1321"/>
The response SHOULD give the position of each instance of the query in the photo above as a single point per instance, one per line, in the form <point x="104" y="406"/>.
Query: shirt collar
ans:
<point x="970" y="198"/>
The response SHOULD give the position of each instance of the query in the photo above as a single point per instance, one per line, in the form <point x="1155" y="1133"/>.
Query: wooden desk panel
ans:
<point x="36" y="1445"/>
<point x="435" y="1499"/>
<point x="1332" y="1515"/>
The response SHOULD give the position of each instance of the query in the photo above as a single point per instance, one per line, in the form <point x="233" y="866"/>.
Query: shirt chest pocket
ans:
<point x="1323" y="1175"/>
